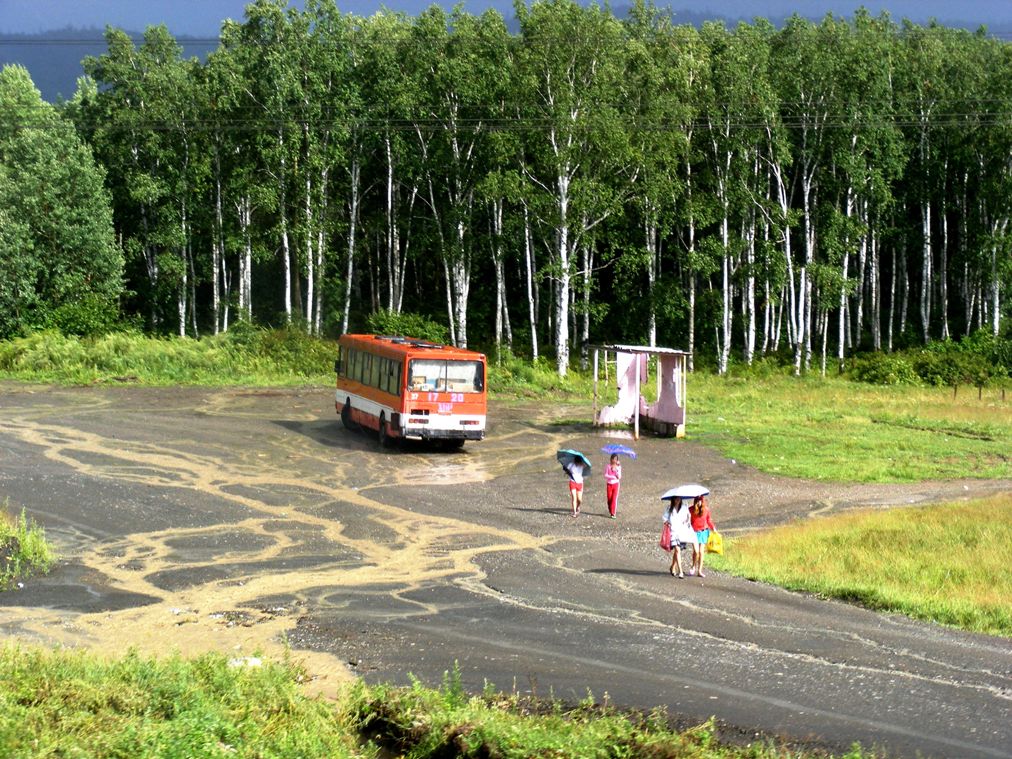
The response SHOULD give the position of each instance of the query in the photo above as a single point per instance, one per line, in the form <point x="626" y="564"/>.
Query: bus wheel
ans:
<point x="346" y="419"/>
<point x="384" y="436"/>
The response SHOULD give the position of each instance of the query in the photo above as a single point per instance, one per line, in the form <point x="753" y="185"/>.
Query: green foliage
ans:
<point x="56" y="232"/>
<point x="979" y="360"/>
<point x="407" y="325"/>
<point x="24" y="550"/>
<point x="66" y="703"/>
<point x="884" y="369"/>
<point x="522" y="378"/>
<point x="890" y="560"/>
<point x="91" y="314"/>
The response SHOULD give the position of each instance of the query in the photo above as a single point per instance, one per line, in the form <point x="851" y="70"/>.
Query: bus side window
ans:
<point x="397" y="379"/>
<point x="385" y="379"/>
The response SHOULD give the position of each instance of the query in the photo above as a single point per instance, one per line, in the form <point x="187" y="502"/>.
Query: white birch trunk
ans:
<point x="532" y="314"/>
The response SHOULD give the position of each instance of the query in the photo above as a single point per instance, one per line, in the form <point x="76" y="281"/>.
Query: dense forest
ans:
<point x="808" y="191"/>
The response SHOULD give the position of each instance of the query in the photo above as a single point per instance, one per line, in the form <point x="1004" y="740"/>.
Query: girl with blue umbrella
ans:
<point x="576" y="465"/>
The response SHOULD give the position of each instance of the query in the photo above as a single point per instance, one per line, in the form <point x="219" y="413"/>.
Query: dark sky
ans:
<point x="203" y="17"/>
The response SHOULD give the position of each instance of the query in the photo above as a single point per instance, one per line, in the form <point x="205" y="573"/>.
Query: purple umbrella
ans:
<point x="621" y="450"/>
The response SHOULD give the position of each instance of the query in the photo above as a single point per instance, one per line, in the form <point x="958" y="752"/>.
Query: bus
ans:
<point x="403" y="387"/>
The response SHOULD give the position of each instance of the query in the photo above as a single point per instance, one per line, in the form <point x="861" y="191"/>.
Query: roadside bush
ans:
<point x="884" y="369"/>
<point x="763" y="367"/>
<point x="287" y="351"/>
<point x="939" y="368"/>
<point x="408" y="325"/>
<point x="92" y="314"/>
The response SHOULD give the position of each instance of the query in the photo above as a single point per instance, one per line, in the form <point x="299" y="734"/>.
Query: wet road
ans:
<point x="237" y="519"/>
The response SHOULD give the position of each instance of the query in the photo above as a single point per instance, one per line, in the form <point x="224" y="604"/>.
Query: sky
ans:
<point x="203" y="17"/>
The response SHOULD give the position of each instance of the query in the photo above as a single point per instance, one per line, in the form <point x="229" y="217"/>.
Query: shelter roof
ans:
<point x="639" y="349"/>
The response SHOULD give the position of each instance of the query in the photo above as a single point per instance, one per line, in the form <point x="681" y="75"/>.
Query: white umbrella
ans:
<point x="686" y="491"/>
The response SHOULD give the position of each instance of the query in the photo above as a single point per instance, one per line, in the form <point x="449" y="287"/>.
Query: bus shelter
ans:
<point x="666" y="415"/>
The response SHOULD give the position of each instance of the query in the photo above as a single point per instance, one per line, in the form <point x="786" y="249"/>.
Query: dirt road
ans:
<point x="236" y="519"/>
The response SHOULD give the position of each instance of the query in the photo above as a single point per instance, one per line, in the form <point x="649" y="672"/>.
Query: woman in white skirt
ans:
<point x="682" y="535"/>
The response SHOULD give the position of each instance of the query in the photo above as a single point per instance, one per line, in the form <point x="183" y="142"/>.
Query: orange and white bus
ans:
<point x="408" y="388"/>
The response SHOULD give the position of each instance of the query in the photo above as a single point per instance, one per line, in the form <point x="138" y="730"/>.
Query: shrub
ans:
<point x="92" y="314"/>
<point x="938" y="368"/>
<point x="409" y="325"/>
<point x="884" y="369"/>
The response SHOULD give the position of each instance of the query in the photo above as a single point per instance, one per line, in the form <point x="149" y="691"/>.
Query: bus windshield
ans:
<point x="447" y="376"/>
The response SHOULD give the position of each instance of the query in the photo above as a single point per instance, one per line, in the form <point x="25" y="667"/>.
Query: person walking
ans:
<point x="612" y="479"/>
<point x="682" y="535"/>
<point x="575" y="472"/>
<point x="702" y="523"/>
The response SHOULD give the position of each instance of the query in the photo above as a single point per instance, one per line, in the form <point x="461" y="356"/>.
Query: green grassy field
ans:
<point x="946" y="563"/>
<point x="835" y="429"/>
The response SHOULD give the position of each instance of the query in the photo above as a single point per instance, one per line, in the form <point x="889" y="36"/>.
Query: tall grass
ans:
<point x="421" y="723"/>
<point x="947" y="564"/>
<point x="67" y="703"/>
<point x="24" y="550"/>
<point x="514" y="377"/>
<point x="835" y="429"/>
<point x="72" y="704"/>
<point x="243" y="356"/>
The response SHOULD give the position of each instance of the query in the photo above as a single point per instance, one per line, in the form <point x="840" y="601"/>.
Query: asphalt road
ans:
<point x="239" y="520"/>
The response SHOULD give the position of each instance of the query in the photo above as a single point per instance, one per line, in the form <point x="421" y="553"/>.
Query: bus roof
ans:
<point x="402" y="344"/>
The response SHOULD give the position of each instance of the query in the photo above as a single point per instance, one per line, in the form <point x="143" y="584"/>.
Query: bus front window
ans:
<point x="447" y="376"/>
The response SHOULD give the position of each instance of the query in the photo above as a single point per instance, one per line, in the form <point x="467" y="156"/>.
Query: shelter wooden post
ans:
<point x="636" y="411"/>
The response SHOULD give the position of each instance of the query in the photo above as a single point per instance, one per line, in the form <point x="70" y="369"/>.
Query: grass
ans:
<point x="243" y="356"/>
<point x="835" y="429"/>
<point x="23" y="549"/>
<point x="947" y="564"/>
<point x="419" y="723"/>
<point x="69" y="703"/>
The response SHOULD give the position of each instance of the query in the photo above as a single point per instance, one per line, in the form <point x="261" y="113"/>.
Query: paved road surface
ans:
<point x="233" y="519"/>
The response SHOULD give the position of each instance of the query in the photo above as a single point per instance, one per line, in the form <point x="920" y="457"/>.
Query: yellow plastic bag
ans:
<point x="715" y="543"/>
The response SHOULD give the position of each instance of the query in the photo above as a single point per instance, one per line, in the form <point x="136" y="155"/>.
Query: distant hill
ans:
<point x="54" y="58"/>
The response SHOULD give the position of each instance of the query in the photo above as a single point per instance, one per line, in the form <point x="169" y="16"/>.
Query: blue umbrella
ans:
<point x="622" y="450"/>
<point x="566" y="457"/>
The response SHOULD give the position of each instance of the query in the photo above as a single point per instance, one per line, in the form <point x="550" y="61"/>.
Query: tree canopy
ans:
<point x="806" y="191"/>
<point x="57" y="248"/>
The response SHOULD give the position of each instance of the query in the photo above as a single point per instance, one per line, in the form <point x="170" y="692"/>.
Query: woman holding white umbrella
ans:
<point x="677" y="514"/>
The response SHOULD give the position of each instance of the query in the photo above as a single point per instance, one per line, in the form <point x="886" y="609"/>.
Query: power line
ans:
<point x="525" y="124"/>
